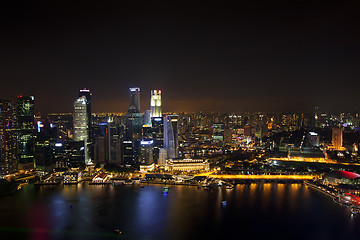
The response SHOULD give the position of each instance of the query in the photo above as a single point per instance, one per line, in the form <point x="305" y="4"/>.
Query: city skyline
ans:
<point x="213" y="57"/>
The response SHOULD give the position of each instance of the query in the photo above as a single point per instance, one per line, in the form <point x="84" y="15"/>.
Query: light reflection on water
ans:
<point x="260" y="210"/>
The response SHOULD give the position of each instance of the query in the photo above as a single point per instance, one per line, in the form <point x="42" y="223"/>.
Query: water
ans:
<point x="253" y="211"/>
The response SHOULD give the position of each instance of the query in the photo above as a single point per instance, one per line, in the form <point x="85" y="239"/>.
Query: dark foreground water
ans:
<point x="253" y="211"/>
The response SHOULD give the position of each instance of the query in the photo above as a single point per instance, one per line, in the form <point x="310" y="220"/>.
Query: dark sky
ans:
<point x="204" y="56"/>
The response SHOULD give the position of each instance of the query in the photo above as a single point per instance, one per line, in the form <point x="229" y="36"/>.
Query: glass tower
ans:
<point x="171" y="140"/>
<point x="25" y="131"/>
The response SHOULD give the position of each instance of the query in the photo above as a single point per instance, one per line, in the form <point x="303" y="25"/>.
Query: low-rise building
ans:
<point x="187" y="165"/>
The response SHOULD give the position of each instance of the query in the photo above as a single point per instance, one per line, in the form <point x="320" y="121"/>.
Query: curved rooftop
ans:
<point x="343" y="174"/>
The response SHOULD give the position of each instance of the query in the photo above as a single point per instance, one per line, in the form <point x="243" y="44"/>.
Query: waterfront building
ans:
<point x="8" y="137"/>
<point x="171" y="138"/>
<point x="155" y="103"/>
<point x="108" y="146"/>
<point x="157" y="128"/>
<point x="187" y="165"/>
<point x="71" y="177"/>
<point x="70" y="154"/>
<point x="87" y="94"/>
<point x="81" y="127"/>
<point x="25" y="132"/>
<point x="133" y="131"/>
<point x="162" y="157"/>
<point x="146" y="152"/>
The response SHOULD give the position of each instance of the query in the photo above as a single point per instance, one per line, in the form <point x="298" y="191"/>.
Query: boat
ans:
<point x="224" y="203"/>
<point x="117" y="231"/>
<point x="166" y="190"/>
<point x="230" y="187"/>
<point x="141" y="186"/>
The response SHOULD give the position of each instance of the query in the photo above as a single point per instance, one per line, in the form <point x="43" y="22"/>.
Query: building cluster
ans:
<point x="144" y="140"/>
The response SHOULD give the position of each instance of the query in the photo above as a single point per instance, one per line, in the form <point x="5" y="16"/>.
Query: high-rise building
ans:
<point x="146" y="152"/>
<point x="135" y="98"/>
<point x="87" y="94"/>
<point x="171" y="139"/>
<point x="108" y="149"/>
<point x="81" y="127"/>
<point x="155" y="103"/>
<point x="337" y="138"/>
<point x="8" y="137"/>
<point x="147" y="117"/>
<point x="25" y="131"/>
<point x="133" y="131"/>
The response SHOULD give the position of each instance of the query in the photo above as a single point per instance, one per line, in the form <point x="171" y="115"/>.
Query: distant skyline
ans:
<point x="203" y="56"/>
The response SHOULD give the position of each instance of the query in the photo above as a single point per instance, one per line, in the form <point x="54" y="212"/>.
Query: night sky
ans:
<point x="204" y="56"/>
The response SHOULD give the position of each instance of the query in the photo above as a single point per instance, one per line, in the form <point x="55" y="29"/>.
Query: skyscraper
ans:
<point x="8" y="140"/>
<point x="337" y="138"/>
<point x="133" y="131"/>
<point x="25" y="131"/>
<point x="87" y="94"/>
<point x="171" y="140"/>
<point x="135" y="98"/>
<point x="81" y="127"/>
<point x="155" y="103"/>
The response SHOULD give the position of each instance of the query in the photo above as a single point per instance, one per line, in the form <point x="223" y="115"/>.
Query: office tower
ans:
<point x="135" y="98"/>
<point x="337" y="138"/>
<point x="162" y="157"/>
<point x="146" y="152"/>
<point x="147" y="118"/>
<point x="70" y="154"/>
<point x="81" y="127"/>
<point x="87" y="94"/>
<point x="46" y="137"/>
<point x="157" y="135"/>
<point x="133" y="129"/>
<point x="25" y="131"/>
<point x="133" y="123"/>
<point x="63" y="122"/>
<point x="108" y="146"/>
<point x="171" y="141"/>
<point x="155" y="103"/>
<point x="218" y="132"/>
<point x="8" y="137"/>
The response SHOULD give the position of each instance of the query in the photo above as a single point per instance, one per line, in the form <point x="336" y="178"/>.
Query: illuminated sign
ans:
<point x="147" y="142"/>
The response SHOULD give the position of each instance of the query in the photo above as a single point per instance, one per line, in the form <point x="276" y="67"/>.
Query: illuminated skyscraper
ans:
<point x="337" y="138"/>
<point x="81" y="127"/>
<point x="135" y="98"/>
<point x="171" y="139"/>
<point x="25" y="131"/>
<point x="8" y="140"/>
<point x="87" y="94"/>
<point x="155" y="103"/>
<point x="133" y="131"/>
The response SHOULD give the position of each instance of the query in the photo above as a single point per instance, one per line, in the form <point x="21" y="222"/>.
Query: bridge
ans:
<point x="263" y="177"/>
